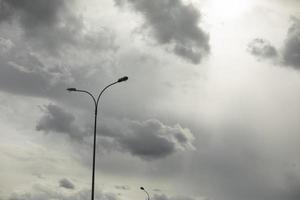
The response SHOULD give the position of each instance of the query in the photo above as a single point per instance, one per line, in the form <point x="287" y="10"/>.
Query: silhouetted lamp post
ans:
<point x="96" y="102"/>
<point x="142" y="188"/>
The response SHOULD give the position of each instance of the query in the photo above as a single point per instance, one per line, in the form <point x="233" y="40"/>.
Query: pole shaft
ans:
<point x="95" y="135"/>
<point x="94" y="152"/>
<point x="147" y="195"/>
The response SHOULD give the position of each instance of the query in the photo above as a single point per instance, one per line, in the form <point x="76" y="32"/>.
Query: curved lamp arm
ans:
<point x="87" y="92"/>
<point x="125" y="78"/>
<point x="96" y="102"/>
<point x="148" y="196"/>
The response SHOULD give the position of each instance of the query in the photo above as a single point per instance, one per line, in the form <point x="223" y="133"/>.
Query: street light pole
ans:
<point x="142" y="188"/>
<point x="96" y="102"/>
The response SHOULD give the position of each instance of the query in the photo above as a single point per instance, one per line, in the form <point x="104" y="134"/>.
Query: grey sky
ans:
<point x="210" y="110"/>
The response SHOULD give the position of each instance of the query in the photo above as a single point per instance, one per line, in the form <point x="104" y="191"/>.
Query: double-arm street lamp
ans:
<point x="96" y="102"/>
<point x="142" y="188"/>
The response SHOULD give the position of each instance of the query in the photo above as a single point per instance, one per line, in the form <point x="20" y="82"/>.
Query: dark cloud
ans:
<point x="27" y="72"/>
<point x="5" y="11"/>
<point x="175" y="24"/>
<point x="58" y="120"/>
<point x="33" y="43"/>
<point x="262" y="49"/>
<point x="33" y="13"/>
<point x="291" y="49"/>
<point x="48" y="23"/>
<point x="65" y="183"/>
<point x="51" y="25"/>
<point x="148" y="139"/>
<point x="23" y="72"/>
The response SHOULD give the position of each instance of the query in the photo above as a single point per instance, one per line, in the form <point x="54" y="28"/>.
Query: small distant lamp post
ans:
<point x="96" y="102"/>
<point x="142" y="188"/>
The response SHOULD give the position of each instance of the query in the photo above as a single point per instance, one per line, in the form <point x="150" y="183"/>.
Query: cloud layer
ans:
<point x="52" y="27"/>
<point x="227" y="130"/>
<point x="43" y="21"/>
<point x="150" y="139"/>
<point x="41" y="192"/>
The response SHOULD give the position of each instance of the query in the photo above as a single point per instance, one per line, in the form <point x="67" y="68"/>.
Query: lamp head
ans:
<point x="142" y="188"/>
<point x="71" y="89"/>
<point x="125" y="78"/>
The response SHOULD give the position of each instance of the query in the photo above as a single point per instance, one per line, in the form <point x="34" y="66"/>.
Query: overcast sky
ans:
<point x="210" y="111"/>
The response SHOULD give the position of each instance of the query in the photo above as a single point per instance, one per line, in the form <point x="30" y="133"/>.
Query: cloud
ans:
<point x="65" y="183"/>
<point x="52" y="25"/>
<point x="40" y="192"/>
<point x="291" y="49"/>
<point x="174" y="25"/>
<point x="122" y="187"/>
<point x="150" y="139"/>
<point x="33" y="13"/>
<point x="58" y="120"/>
<point x="165" y="197"/>
<point x="24" y="72"/>
<point x="289" y="54"/>
<point x="262" y="49"/>
<point x="5" y="45"/>
<point x="42" y="20"/>
<point x="44" y="47"/>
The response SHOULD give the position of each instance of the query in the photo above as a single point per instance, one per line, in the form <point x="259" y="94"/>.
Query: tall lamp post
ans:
<point x="142" y="188"/>
<point x="96" y="102"/>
